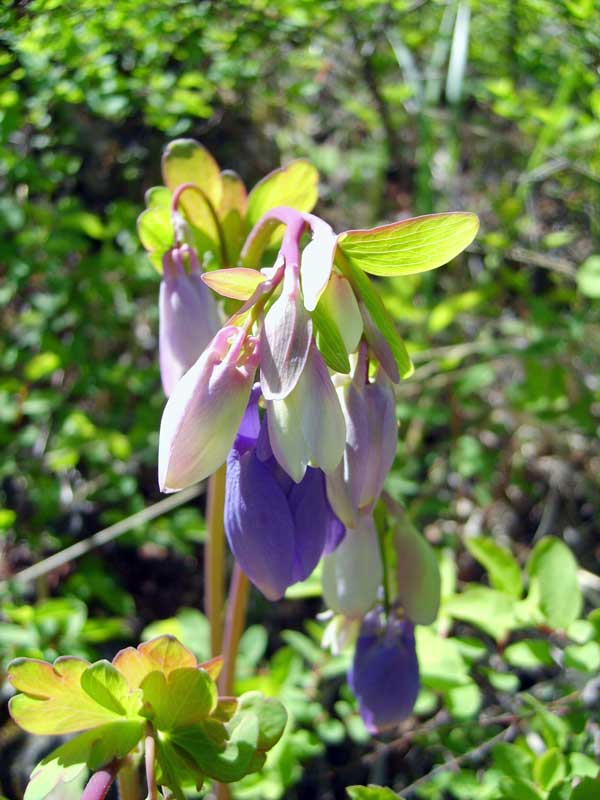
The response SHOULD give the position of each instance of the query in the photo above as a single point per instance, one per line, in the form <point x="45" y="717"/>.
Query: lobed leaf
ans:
<point x="410" y="246"/>
<point x="180" y="699"/>
<point x="164" y="654"/>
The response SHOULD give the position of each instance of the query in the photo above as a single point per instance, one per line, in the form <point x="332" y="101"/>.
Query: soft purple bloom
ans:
<point x="203" y="413"/>
<point x="371" y="437"/>
<point x="384" y="674"/>
<point x="277" y="529"/>
<point x="188" y="316"/>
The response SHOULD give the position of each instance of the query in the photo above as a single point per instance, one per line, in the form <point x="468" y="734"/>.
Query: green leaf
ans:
<point x="239" y="283"/>
<point x="93" y="749"/>
<point x="583" y="657"/>
<point x="53" y="700"/>
<point x="232" y="213"/>
<point x="270" y="714"/>
<point x="182" y="698"/>
<point x="410" y="246"/>
<point x="441" y="664"/>
<point x="550" y="768"/>
<point x="329" y="340"/>
<point x="186" y="161"/>
<point x="155" y="230"/>
<point x="552" y="571"/>
<point x="588" y="277"/>
<point x="531" y="654"/>
<point x="164" y="654"/>
<point x="371" y="792"/>
<point x="502" y="567"/>
<point x="379" y="314"/>
<point x="295" y="185"/>
<point x="41" y="366"/>
<point x="491" y="611"/>
<point x="512" y="760"/>
<point x="417" y="573"/>
<point x="221" y="759"/>
<point x="588" y="789"/>
<point x="463" y="702"/>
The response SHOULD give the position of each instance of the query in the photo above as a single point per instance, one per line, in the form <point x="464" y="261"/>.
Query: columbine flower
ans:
<point x="371" y="437"/>
<point x="188" y="315"/>
<point x="353" y="573"/>
<point x="205" y="409"/>
<point x="385" y="672"/>
<point x="277" y="529"/>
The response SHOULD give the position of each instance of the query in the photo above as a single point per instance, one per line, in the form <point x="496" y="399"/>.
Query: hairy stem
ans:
<point x="234" y="626"/>
<point x="128" y="781"/>
<point x="214" y="559"/>
<point x="100" y="782"/>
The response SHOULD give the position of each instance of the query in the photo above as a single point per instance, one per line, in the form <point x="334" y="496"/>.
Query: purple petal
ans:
<point x="385" y="673"/>
<point x="258" y="524"/>
<point x="378" y="458"/>
<point x="249" y="429"/>
<point x="311" y="513"/>
<point x="284" y="342"/>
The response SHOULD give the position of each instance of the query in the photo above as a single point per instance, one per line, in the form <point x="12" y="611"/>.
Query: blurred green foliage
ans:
<point x="405" y="108"/>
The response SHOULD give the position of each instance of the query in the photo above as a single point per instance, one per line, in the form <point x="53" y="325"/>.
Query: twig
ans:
<point x="103" y="537"/>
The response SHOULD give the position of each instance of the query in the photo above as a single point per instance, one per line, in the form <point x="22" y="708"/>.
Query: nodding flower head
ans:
<point x="205" y="409"/>
<point x="384" y="674"/>
<point x="188" y="315"/>
<point x="277" y="529"/>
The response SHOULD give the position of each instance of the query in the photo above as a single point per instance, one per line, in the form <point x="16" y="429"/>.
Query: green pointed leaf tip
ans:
<point x="410" y="246"/>
<point x="371" y="793"/>
<point x="502" y="567"/>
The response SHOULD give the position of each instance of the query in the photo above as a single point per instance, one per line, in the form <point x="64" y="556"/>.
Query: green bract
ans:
<point x="158" y="689"/>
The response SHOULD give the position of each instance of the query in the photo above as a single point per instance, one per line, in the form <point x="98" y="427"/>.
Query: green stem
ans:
<point x="214" y="559"/>
<point x="128" y="781"/>
<point x="234" y="626"/>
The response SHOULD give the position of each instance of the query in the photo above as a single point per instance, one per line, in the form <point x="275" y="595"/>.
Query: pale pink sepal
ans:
<point x="204" y="411"/>
<point x="316" y="263"/>
<point x="307" y="427"/>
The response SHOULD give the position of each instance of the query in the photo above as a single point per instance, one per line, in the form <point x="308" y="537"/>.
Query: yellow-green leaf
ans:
<point x="410" y="246"/>
<point x="239" y="283"/>
<point x="295" y="185"/>
<point x="164" y="654"/>
<point x="181" y="699"/>
<point x="232" y="213"/>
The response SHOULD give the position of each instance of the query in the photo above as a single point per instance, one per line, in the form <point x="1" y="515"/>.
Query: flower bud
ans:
<point x="341" y="304"/>
<point x="188" y="317"/>
<point x="353" y="573"/>
<point x="205" y="409"/>
<point x="384" y="674"/>
<point x="307" y="427"/>
<point x="417" y="573"/>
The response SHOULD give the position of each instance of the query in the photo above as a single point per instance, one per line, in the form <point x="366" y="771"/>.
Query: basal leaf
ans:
<point x="164" y="654"/>
<point x="410" y="246"/>
<point x="501" y="566"/>
<point x="271" y="716"/>
<point x="552" y="571"/>
<point x="180" y="699"/>
<point x="378" y="312"/>
<point x="53" y="700"/>
<point x="295" y="185"/>
<point x="239" y="283"/>
<point x="108" y="687"/>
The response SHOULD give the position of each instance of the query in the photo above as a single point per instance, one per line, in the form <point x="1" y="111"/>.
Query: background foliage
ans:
<point x="405" y="108"/>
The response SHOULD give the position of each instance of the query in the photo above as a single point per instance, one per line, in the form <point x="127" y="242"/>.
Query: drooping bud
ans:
<point x="385" y="672"/>
<point x="277" y="530"/>
<point x="307" y="427"/>
<point x="188" y="316"/>
<point x="417" y="573"/>
<point x="353" y="573"/>
<point x="371" y="437"/>
<point x="205" y="409"/>
<point x="317" y="262"/>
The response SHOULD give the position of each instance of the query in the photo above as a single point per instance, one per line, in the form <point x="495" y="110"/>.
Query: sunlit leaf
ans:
<point x="329" y="340"/>
<point x="164" y="654"/>
<point x="410" y="246"/>
<point x="295" y="186"/>
<point x="238" y="283"/>
<point x="232" y="213"/>
<point x="502" y="567"/>
<point x="552" y="571"/>
<point x="180" y="699"/>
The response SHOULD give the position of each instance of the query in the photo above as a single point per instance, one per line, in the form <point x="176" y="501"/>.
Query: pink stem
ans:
<point x="100" y="782"/>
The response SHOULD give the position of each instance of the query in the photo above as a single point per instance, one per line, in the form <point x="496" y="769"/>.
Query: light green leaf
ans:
<point x="186" y="161"/>
<point x="549" y="768"/>
<point x="583" y="657"/>
<point x="270" y="714"/>
<point x="164" y="654"/>
<point x="295" y="185"/>
<point x="502" y="567"/>
<point x="108" y="687"/>
<point x="239" y="283"/>
<point x="232" y="213"/>
<point x="410" y="246"/>
<point x="221" y="759"/>
<point x="463" y="702"/>
<point x="181" y="699"/>
<point x="588" y="277"/>
<point x="588" y="789"/>
<point x="552" y="571"/>
<point x="417" y="573"/>
<point x="371" y="793"/>
<point x="441" y="664"/>
<point x="379" y="314"/>
<point x="155" y="230"/>
<point x="531" y="654"/>
<point x="491" y="611"/>
<point x="41" y="366"/>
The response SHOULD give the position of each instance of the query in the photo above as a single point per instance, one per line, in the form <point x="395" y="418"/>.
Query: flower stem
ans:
<point x="234" y="626"/>
<point x="150" y="758"/>
<point x="128" y="781"/>
<point x="100" y="782"/>
<point x="214" y="559"/>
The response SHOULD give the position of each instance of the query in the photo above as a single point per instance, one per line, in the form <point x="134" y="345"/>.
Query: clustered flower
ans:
<point x="307" y="448"/>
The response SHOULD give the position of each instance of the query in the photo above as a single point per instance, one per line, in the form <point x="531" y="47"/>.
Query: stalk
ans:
<point x="214" y="559"/>
<point x="234" y="626"/>
<point x="100" y="782"/>
<point x="128" y="781"/>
